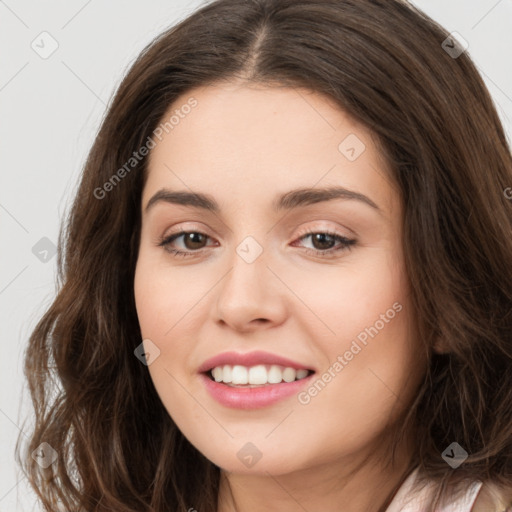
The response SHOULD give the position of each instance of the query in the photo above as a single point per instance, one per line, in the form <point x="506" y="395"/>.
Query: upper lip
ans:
<point x="250" y="359"/>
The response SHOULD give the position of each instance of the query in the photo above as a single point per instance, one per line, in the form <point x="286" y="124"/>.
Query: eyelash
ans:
<point x="346" y="243"/>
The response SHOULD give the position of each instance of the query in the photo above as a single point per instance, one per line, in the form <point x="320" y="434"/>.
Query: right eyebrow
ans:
<point x="194" y="199"/>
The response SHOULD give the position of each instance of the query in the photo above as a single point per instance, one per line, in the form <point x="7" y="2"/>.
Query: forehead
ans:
<point x="241" y="141"/>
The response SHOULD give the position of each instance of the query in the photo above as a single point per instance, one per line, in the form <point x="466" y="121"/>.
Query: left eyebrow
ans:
<point x="305" y="196"/>
<point x="288" y="201"/>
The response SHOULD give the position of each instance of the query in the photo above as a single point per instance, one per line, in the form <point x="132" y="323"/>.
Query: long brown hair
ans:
<point x="384" y="62"/>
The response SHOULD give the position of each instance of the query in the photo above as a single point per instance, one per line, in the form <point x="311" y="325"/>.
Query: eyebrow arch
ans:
<point x="288" y="201"/>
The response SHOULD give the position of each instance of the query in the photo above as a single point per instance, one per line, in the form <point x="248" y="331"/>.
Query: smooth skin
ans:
<point x="245" y="145"/>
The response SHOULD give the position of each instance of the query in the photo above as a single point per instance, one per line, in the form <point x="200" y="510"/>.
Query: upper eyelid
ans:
<point x="322" y="228"/>
<point x="193" y="229"/>
<point x="302" y="233"/>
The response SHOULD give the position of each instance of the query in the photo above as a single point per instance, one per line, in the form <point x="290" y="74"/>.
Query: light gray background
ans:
<point x="50" y="111"/>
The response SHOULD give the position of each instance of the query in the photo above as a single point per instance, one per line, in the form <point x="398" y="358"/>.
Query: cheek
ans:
<point x="161" y="301"/>
<point x="165" y="295"/>
<point x="367" y="345"/>
<point x="168" y="304"/>
<point x="364" y="385"/>
<point x="341" y="301"/>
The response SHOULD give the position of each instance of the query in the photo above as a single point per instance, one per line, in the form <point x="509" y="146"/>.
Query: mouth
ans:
<point x="253" y="381"/>
<point x="261" y="375"/>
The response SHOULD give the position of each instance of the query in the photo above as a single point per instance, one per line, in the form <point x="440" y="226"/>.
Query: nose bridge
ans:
<point x="248" y="292"/>
<point x="248" y="270"/>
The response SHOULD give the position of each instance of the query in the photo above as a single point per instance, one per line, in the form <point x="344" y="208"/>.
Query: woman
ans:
<point x="340" y="337"/>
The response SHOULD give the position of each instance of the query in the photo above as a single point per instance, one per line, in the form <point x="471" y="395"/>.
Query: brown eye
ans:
<point x="194" y="240"/>
<point x="323" y="241"/>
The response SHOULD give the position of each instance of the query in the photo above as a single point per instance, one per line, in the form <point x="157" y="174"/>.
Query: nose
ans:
<point x="250" y="296"/>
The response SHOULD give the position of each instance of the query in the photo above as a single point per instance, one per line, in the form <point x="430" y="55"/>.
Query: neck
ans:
<point x="358" y="483"/>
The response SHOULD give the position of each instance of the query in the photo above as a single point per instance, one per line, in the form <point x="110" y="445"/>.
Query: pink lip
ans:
<point x="252" y="398"/>
<point x="249" y="359"/>
<point x="246" y="397"/>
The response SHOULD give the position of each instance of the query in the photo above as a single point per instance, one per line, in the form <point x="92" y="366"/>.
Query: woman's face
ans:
<point x="312" y="281"/>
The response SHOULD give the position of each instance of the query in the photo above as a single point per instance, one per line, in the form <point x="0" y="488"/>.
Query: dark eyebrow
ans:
<point x="288" y="201"/>
<point x="305" y="196"/>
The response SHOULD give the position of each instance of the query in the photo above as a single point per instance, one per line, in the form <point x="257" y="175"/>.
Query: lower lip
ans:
<point x="252" y="398"/>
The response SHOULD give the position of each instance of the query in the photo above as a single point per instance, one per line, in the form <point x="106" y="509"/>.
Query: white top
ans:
<point x="406" y="501"/>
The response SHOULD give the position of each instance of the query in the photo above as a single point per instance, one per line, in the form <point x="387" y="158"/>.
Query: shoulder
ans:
<point x="413" y="498"/>
<point x="491" y="499"/>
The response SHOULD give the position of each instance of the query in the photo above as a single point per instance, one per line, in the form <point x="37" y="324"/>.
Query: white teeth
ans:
<point x="301" y="374"/>
<point x="217" y="374"/>
<point x="227" y="373"/>
<point x="289" y="374"/>
<point x="238" y="375"/>
<point x="256" y="375"/>
<point x="275" y="375"/>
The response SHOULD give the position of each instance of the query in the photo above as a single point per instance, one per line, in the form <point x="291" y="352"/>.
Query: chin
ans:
<point x="258" y="457"/>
